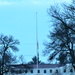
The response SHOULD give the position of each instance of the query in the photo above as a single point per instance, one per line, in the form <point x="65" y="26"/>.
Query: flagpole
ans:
<point x="37" y="46"/>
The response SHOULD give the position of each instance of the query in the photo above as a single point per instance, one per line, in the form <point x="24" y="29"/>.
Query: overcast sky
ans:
<point x="18" y="18"/>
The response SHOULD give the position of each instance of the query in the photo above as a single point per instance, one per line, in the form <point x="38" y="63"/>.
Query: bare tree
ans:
<point x="62" y="38"/>
<point x="22" y="59"/>
<point x="7" y="43"/>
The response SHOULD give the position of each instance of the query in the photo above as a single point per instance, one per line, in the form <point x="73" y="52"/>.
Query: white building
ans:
<point x="43" y="69"/>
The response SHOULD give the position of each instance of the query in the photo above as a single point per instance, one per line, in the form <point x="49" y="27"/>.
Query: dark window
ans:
<point x="38" y="71"/>
<point x="71" y="70"/>
<point x="44" y="71"/>
<point x="50" y="71"/>
<point x="19" y="71"/>
<point x="56" y="71"/>
<point x="64" y="70"/>
<point x="25" y="71"/>
<point x="31" y="71"/>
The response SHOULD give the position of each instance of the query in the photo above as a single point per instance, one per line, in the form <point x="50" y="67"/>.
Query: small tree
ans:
<point x="22" y="59"/>
<point x="34" y="60"/>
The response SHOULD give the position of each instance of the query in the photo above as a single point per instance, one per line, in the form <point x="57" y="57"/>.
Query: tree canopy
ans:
<point x="62" y="37"/>
<point x="7" y="43"/>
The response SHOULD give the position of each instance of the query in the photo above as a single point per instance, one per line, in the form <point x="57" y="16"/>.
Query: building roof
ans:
<point x="22" y="66"/>
<point x="46" y="65"/>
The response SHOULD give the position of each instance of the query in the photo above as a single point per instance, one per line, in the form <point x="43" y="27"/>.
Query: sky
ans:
<point x="18" y="18"/>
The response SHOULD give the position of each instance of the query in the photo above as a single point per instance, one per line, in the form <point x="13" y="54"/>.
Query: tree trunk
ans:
<point x="73" y="66"/>
<point x="3" y="60"/>
<point x="2" y="69"/>
<point x="72" y="55"/>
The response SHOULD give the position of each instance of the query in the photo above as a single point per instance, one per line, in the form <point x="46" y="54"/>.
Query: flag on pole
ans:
<point x="37" y="45"/>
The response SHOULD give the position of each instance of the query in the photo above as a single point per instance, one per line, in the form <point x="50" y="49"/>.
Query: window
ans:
<point x="25" y="71"/>
<point x="56" y="71"/>
<point x="38" y="71"/>
<point x="50" y="71"/>
<point x="44" y="71"/>
<point x="71" y="70"/>
<point x="64" y="70"/>
<point x="31" y="71"/>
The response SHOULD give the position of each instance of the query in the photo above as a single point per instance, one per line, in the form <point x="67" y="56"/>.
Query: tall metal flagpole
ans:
<point x="37" y="46"/>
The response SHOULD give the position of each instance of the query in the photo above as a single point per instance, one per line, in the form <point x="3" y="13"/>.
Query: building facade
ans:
<point x="43" y="69"/>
